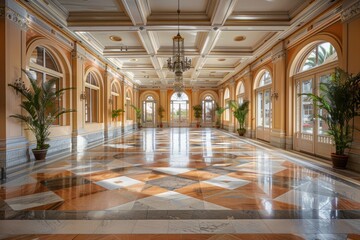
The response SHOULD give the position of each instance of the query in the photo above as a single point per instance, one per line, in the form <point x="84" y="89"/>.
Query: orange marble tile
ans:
<point x="79" y="191"/>
<point x="146" y="189"/>
<point x="99" y="176"/>
<point x="194" y="190"/>
<point x="28" y="189"/>
<point x="344" y="204"/>
<point x="44" y="237"/>
<point x="51" y="175"/>
<point x="209" y="190"/>
<point x="101" y="200"/>
<point x="199" y="175"/>
<point x="232" y="200"/>
<point x="353" y="237"/>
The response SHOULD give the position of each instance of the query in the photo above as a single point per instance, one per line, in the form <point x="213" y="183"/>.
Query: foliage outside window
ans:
<point x="43" y="67"/>
<point x="91" y="99"/>
<point x="321" y="54"/>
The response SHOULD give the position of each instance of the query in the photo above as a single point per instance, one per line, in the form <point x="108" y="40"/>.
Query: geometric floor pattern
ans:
<point x="186" y="175"/>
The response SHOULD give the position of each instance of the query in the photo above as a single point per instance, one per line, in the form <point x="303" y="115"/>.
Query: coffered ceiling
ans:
<point x="221" y="36"/>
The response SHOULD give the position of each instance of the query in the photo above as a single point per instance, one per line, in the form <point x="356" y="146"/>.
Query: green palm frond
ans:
<point x="37" y="104"/>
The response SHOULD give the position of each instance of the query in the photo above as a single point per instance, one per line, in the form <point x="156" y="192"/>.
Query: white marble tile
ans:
<point x="250" y="226"/>
<point x="19" y="181"/>
<point x="151" y="226"/>
<point x="173" y="170"/>
<point x="118" y="182"/>
<point x="305" y="200"/>
<point x="184" y="226"/>
<point x="120" y="146"/>
<point x="33" y="200"/>
<point x="216" y="226"/>
<point x="227" y="182"/>
<point x="260" y="169"/>
<point x="176" y="201"/>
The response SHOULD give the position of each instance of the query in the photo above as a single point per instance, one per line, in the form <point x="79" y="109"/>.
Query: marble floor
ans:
<point x="181" y="183"/>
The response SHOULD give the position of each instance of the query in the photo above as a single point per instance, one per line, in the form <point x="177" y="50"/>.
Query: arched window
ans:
<point x="115" y="97"/>
<point x="208" y="107"/>
<point x="263" y="106"/>
<point x="92" y="99"/>
<point x="226" y="101"/>
<point x="321" y="53"/>
<point x="43" y="67"/>
<point x="240" y="93"/>
<point x="128" y="105"/>
<point x="310" y="130"/>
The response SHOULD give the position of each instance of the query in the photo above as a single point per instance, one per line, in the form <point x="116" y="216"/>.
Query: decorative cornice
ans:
<point x="278" y="56"/>
<point x="16" y="18"/>
<point x="350" y="12"/>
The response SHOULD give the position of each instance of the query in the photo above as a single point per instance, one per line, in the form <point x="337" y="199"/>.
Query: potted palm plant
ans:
<point x="40" y="105"/>
<point x="138" y="115"/>
<point x="161" y="111"/>
<point x="197" y="114"/>
<point x="218" y="112"/>
<point x="116" y="113"/>
<point x="240" y="112"/>
<point x="339" y="99"/>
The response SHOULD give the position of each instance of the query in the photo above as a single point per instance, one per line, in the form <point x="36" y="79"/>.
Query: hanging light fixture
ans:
<point x="178" y="63"/>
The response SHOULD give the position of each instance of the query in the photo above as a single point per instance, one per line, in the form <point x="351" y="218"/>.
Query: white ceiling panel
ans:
<point x="266" y="5"/>
<point x="90" y="5"/>
<point x="161" y="6"/>
<point x="252" y="38"/>
<point x="130" y="39"/>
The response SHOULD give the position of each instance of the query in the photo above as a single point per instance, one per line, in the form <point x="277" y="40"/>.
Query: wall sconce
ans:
<point x="82" y="96"/>
<point x="275" y="95"/>
<point x="19" y="83"/>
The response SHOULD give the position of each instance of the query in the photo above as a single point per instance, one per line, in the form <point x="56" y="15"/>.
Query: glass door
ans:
<point x="263" y="114"/>
<point x="310" y="131"/>
<point x="179" y="109"/>
<point x="149" y="113"/>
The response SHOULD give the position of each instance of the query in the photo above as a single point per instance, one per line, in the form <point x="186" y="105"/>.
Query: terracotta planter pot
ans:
<point x="241" y="132"/>
<point x="339" y="161"/>
<point x="39" y="154"/>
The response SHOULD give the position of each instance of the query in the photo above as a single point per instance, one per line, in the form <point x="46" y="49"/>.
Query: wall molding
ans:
<point x="350" y="12"/>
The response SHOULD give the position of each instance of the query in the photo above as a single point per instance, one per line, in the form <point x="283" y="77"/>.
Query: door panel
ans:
<point x="310" y="135"/>
<point x="263" y="114"/>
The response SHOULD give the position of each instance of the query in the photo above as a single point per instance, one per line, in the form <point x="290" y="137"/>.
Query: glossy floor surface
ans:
<point x="176" y="181"/>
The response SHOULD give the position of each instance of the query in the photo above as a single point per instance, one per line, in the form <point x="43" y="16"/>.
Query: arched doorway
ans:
<point x="179" y="110"/>
<point x="208" y="107"/>
<point x="263" y="106"/>
<point x="149" y="110"/>
<point x="314" y="67"/>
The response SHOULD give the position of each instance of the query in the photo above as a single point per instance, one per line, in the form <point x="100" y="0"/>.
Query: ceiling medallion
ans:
<point x="239" y="38"/>
<point x="115" y="38"/>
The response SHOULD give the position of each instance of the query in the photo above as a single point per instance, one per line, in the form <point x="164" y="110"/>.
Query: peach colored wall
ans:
<point x="352" y="36"/>
<point x="2" y="80"/>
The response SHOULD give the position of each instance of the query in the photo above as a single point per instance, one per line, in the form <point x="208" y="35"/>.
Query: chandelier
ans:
<point x="178" y="63"/>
